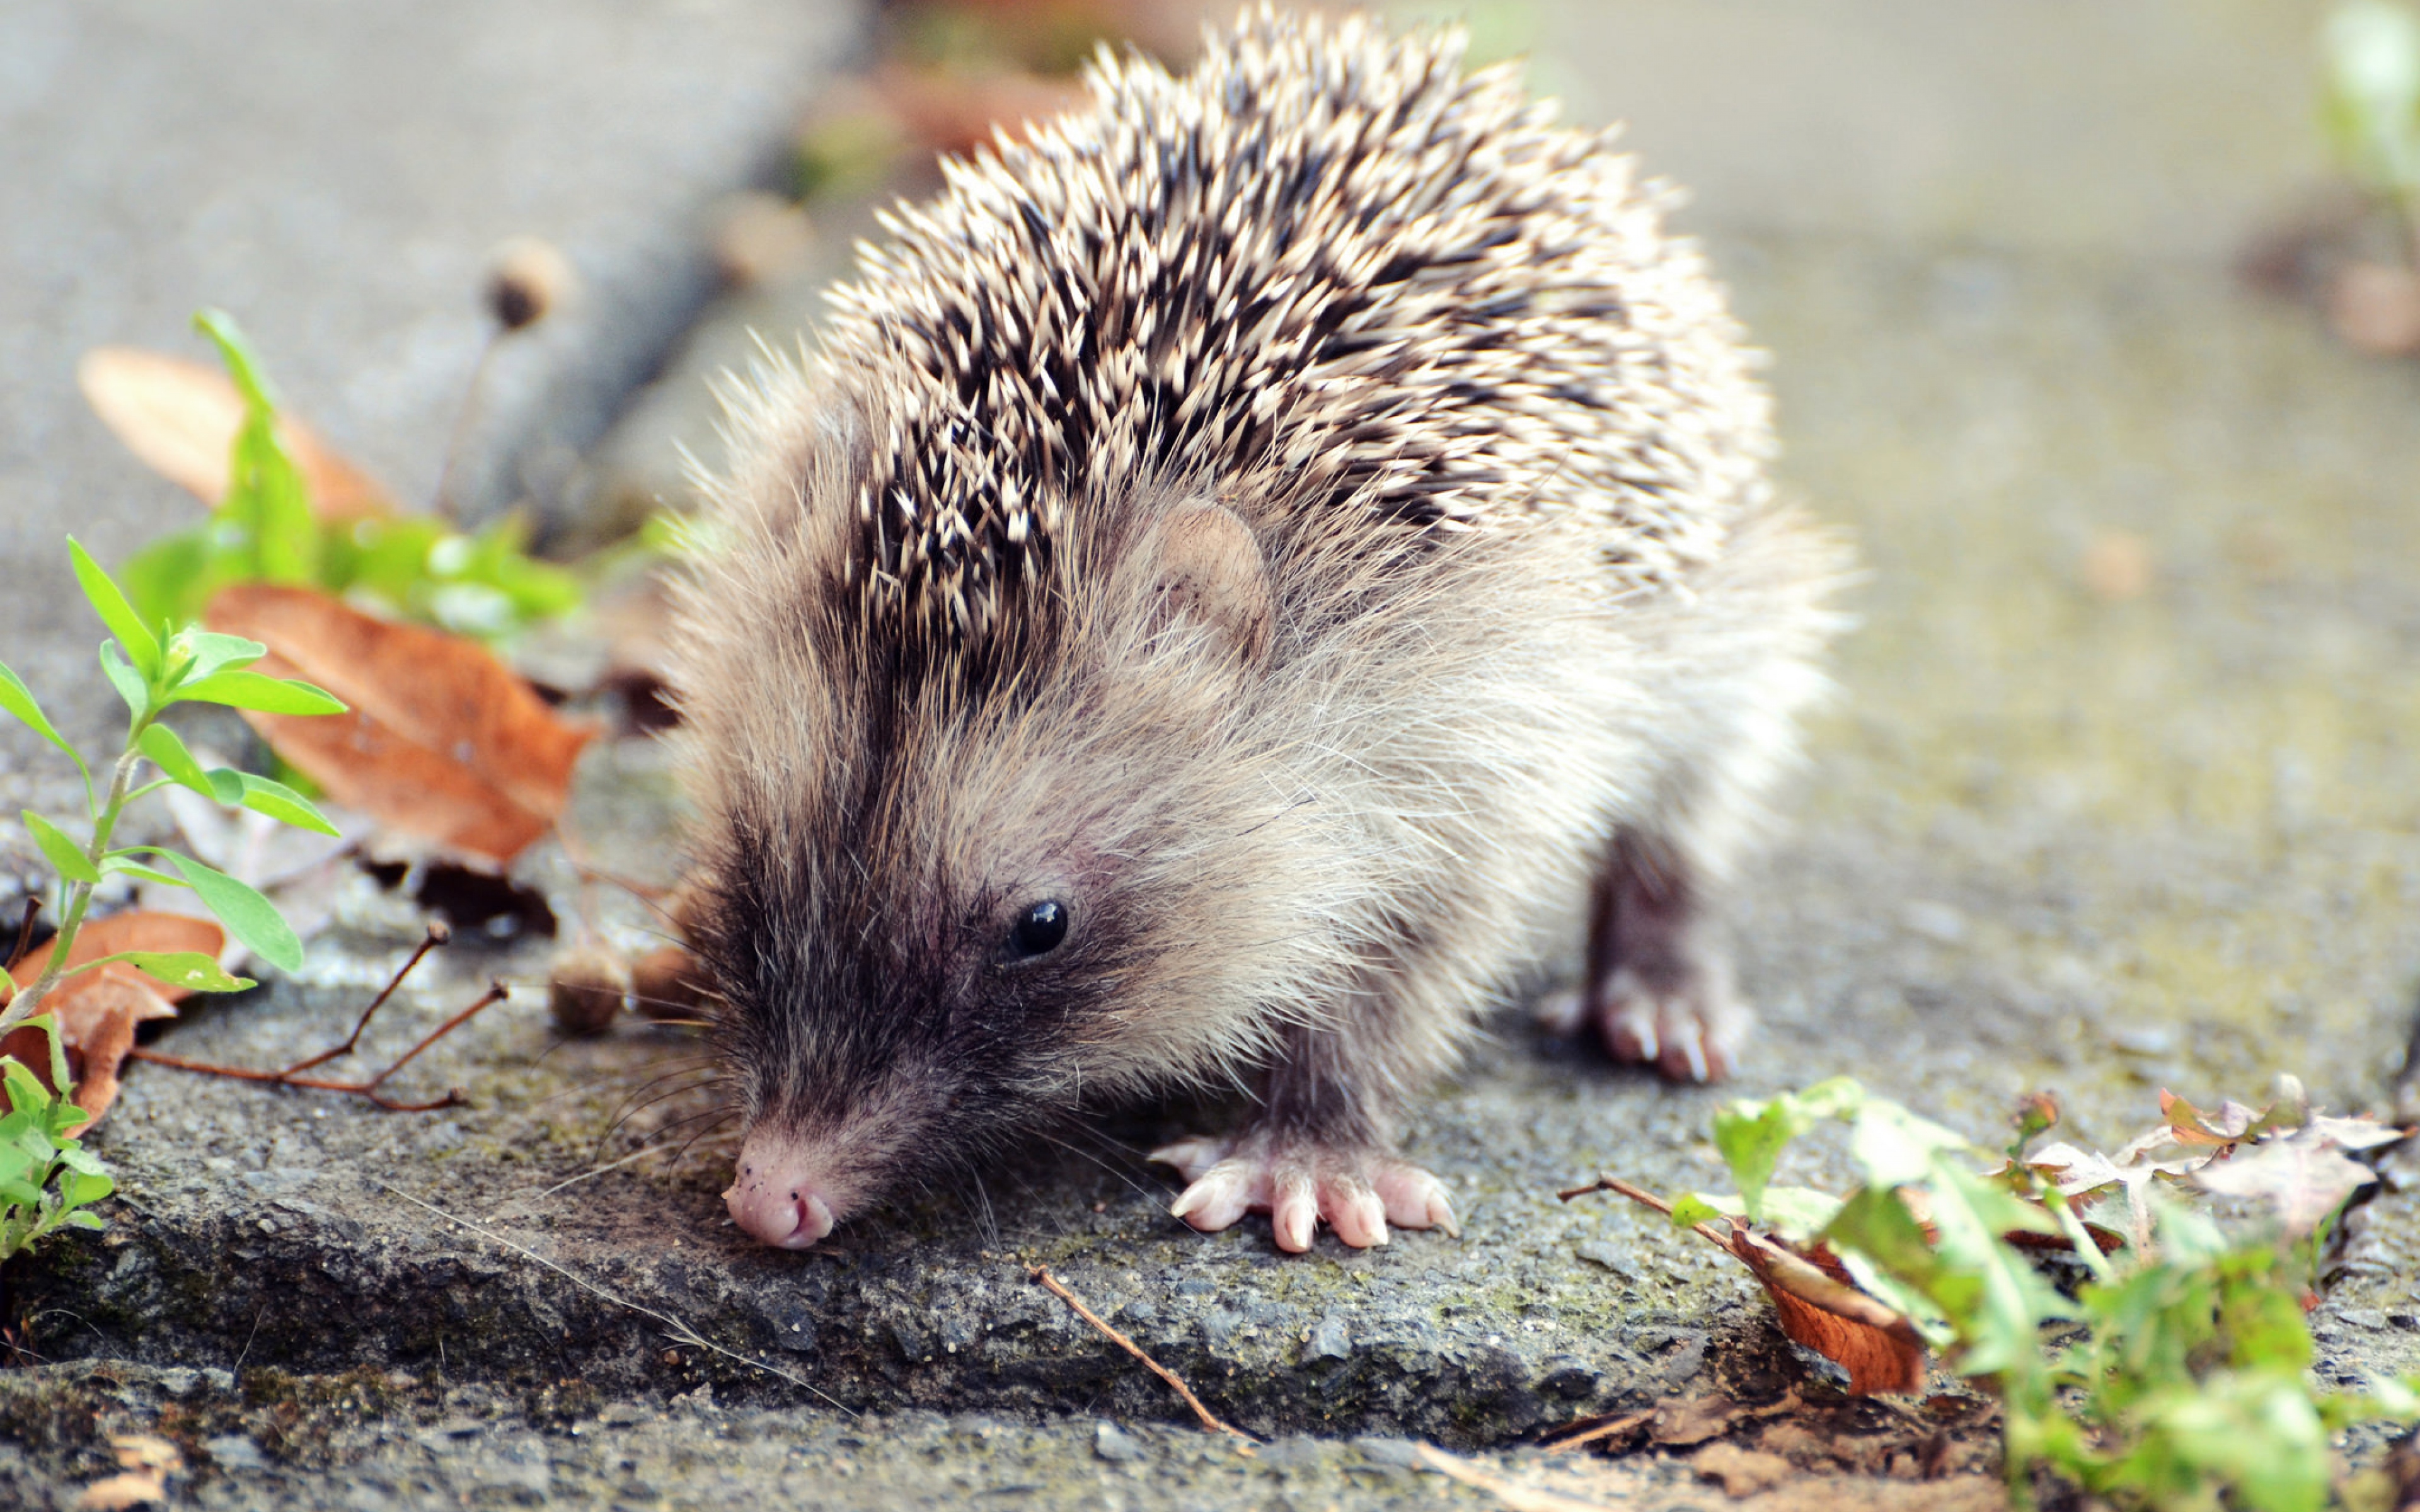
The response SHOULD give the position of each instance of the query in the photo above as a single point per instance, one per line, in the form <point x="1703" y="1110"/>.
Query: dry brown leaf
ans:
<point x="182" y="419"/>
<point x="443" y="741"/>
<point x="97" y="1011"/>
<point x="137" y="929"/>
<point x="2192" y="1126"/>
<point x="1875" y="1343"/>
<point x="2303" y="1178"/>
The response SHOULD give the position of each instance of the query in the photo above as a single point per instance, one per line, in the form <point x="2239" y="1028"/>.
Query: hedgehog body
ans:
<point x="1252" y="571"/>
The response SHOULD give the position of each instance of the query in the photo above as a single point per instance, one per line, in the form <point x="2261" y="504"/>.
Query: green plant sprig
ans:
<point x="47" y="1179"/>
<point x="153" y="670"/>
<point x="2173" y="1379"/>
<point x="483" y="584"/>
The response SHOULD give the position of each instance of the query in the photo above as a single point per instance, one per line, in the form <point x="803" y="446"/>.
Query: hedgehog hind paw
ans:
<point x="1357" y="1192"/>
<point x="1690" y="1030"/>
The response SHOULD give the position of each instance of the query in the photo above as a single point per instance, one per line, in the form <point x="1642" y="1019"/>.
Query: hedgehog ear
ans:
<point x="1206" y="568"/>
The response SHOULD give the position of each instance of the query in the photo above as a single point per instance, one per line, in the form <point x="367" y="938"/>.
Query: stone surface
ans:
<point x="2100" y="830"/>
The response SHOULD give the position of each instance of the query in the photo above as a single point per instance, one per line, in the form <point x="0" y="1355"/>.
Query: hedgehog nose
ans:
<point x="776" y="1199"/>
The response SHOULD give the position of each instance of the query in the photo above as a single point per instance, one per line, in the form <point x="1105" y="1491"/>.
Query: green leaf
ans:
<point x="115" y="611"/>
<point x="81" y="1189"/>
<point x="169" y="754"/>
<point x="2001" y="1299"/>
<point x="1691" y="1208"/>
<point x="142" y="873"/>
<point x="266" y="498"/>
<point x="129" y="682"/>
<point x="189" y="969"/>
<point x="49" y="1024"/>
<point x="266" y="795"/>
<point x="1752" y="1134"/>
<point x="173" y="576"/>
<point x="18" y="700"/>
<point x="1893" y="1147"/>
<point x="235" y="350"/>
<point x="248" y="915"/>
<point x="2257" y="1433"/>
<point x="216" y="652"/>
<point x="65" y="855"/>
<point x="270" y="695"/>
<point x="1799" y="1213"/>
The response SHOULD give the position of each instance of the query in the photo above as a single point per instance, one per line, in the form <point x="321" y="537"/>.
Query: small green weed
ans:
<point x="483" y="584"/>
<point x="47" y="1179"/>
<point x="2170" y="1375"/>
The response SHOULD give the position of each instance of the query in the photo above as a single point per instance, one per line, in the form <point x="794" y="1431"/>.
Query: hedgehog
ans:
<point x="1246" y="575"/>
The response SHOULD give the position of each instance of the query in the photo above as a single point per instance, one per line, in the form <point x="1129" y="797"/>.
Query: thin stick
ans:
<point x="1604" y="1427"/>
<point x="25" y="932"/>
<point x="439" y="933"/>
<point x="681" y="1332"/>
<point x="1209" y="1420"/>
<point x="1519" y="1498"/>
<point x="1646" y="1199"/>
<point x="495" y="994"/>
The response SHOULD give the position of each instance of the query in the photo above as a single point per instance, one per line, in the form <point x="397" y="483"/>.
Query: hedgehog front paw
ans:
<point x="1359" y="1192"/>
<point x="1687" y="1025"/>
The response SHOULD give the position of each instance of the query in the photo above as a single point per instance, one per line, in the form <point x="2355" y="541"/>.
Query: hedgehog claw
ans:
<point x="1357" y="1192"/>
<point x="1690" y="1031"/>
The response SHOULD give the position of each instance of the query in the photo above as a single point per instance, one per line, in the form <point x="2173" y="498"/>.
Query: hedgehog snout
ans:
<point x="779" y="1195"/>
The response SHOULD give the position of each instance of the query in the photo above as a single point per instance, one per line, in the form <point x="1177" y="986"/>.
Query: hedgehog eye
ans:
<point x="1038" y="929"/>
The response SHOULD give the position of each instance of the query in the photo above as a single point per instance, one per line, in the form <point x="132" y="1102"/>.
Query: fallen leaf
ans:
<point x="442" y="740"/>
<point x="182" y="419"/>
<point x="1818" y="1308"/>
<point x="2303" y="1178"/>
<point x="98" y="1011"/>
<point x="1873" y="1341"/>
<point x="2231" y="1122"/>
<point x="1740" y="1471"/>
<point x="2364" y="1132"/>
<point x="2075" y="1171"/>
<point x="136" y="928"/>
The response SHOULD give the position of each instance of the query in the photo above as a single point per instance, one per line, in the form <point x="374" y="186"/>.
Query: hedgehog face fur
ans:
<point x="1239" y="565"/>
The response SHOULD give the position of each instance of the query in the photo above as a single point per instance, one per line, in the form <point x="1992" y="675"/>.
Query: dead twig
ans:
<point x="1590" y="1430"/>
<point x="1518" y="1498"/>
<point x="439" y="933"/>
<point x="291" y="1075"/>
<point x="1209" y="1420"/>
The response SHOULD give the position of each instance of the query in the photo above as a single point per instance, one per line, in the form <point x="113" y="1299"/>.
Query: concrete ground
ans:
<point x="2101" y="828"/>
